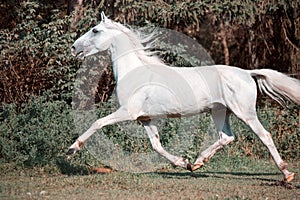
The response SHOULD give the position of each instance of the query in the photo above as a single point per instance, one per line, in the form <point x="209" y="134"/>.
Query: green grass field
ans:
<point x="222" y="178"/>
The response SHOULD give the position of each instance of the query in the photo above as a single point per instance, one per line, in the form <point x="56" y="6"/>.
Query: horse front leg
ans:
<point x="120" y="115"/>
<point x="155" y="142"/>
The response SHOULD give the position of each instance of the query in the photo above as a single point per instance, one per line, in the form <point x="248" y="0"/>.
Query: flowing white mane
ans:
<point x="141" y="42"/>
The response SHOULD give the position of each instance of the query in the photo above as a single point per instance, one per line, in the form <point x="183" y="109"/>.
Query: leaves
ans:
<point x="33" y="62"/>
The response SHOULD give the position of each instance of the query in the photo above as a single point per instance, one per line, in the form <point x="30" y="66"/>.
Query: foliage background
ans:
<point x="37" y="72"/>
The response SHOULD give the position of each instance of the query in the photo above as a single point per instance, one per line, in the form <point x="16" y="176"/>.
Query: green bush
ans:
<point x="35" y="56"/>
<point x="37" y="133"/>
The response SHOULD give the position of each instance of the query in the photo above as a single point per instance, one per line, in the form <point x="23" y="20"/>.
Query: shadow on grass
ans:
<point x="179" y="174"/>
<point x="288" y="186"/>
<point x="214" y="174"/>
<point x="68" y="168"/>
<point x="244" y="175"/>
<point x="250" y="174"/>
<point x="233" y="175"/>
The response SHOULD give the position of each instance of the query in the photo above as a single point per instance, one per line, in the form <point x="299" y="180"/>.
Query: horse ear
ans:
<point x="103" y="17"/>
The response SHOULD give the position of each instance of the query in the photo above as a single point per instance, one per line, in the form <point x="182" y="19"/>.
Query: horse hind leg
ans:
<point x="222" y="121"/>
<point x="267" y="140"/>
<point x="155" y="142"/>
<point x="211" y="150"/>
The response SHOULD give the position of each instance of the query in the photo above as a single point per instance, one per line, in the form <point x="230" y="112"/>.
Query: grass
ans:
<point x="222" y="178"/>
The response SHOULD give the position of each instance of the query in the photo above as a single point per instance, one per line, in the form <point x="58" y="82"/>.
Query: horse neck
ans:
<point x="124" y="56"/>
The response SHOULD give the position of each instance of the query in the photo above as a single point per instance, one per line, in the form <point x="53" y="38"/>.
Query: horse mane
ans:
<point x="141" y="41"/>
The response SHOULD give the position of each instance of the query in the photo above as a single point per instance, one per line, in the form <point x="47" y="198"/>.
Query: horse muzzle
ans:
<point x="76" y="53"/>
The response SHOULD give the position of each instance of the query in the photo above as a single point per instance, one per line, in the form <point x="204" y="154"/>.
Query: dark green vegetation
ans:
<point x="37" y="80"/>
<point x="36" y="36"/>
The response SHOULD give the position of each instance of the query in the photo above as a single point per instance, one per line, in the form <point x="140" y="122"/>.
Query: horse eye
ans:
<point x="95" y="30"/>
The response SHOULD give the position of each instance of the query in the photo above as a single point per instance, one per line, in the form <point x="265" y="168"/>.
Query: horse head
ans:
<point x="97" y="39"/>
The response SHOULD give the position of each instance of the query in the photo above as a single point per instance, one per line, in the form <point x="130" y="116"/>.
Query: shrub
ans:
<point x="35" y="55"/>
<point x="37" y="134"/>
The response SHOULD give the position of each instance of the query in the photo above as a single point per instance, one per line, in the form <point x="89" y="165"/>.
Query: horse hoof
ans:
<point x="289" y="178"/>
<point x="71" y="152"/>
<point x="189" y="167"/>
<point x="197" y="166"/>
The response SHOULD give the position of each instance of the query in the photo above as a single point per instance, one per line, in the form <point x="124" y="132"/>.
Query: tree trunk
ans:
<point x="225" y="45"/>
<point x="75" y="5"/>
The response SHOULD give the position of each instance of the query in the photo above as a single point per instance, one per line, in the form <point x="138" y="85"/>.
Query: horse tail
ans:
<point x="278" y="86"/>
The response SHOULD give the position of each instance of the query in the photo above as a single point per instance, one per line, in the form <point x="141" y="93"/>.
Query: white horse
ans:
<point x="147" y="89"/>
